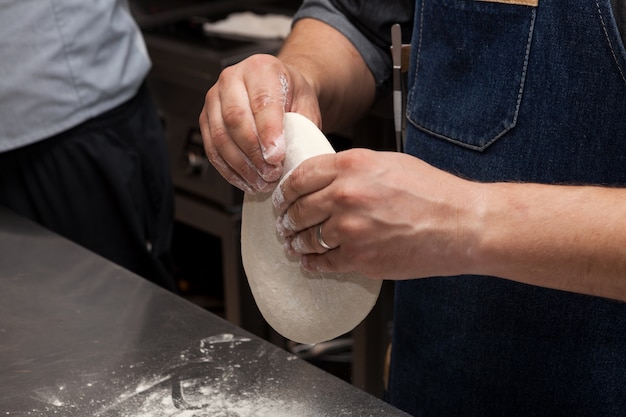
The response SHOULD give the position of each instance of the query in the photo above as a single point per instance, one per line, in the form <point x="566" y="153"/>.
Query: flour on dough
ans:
<point x="302" y="306"/>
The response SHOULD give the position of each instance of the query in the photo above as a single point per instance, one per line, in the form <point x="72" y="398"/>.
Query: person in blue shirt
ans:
<point x="503" y="224"/>
<point x="82" y="149"/>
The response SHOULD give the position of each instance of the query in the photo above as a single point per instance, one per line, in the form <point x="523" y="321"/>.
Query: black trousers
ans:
<point x="104" y="184"/>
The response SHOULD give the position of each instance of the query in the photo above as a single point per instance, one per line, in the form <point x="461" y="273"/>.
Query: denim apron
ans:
<point x="509" y="92"/>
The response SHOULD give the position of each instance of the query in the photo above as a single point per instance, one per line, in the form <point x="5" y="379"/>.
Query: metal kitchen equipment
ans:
<point x="81" y="336"/>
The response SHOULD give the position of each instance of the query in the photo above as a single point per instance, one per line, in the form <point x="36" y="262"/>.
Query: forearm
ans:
<point x="563" y="237"/>
<point x="342" y="81"/>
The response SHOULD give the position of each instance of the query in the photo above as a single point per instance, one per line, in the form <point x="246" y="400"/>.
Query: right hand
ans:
<point x="242" y="120"/>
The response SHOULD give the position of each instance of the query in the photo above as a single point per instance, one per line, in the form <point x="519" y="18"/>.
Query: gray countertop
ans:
<point x="80" y="336"/>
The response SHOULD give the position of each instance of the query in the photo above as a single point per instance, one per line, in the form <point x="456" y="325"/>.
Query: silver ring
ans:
<point x="320" y="239"/>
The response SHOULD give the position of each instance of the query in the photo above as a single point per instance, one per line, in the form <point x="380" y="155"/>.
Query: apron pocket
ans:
<point x="470" y="64"/>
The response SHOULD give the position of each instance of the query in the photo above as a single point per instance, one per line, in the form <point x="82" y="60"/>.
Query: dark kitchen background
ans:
<point x="206" y="256"/>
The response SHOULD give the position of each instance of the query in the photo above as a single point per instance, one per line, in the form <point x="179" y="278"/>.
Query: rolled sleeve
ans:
<point x="368" y="27"/>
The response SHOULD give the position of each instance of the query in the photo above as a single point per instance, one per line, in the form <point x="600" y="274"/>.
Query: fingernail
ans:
<point x="274" y="152"/>
<point x="309" y="266"/>
<point x="271" y="173"/>
<point x="298" y="245"/>
<point x="244" y="186"/>
<point x="278" y="198"/>
<point x="279" y="226"/>
<point x="287" y="246"/>
<point x="260" y="185"/>
<point x="292" y="246"/>
<point x="284" y="225"/>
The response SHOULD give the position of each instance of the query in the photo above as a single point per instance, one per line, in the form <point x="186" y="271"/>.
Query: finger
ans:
<point x="328" y="262"/>
<point x="304" y="213"/>
<point x="216" y="159"/>
<point x="268" y="103"/>
<point x="311" y="175"/>
<point x="311" y="240"/>
<point x="224" y="151"/>
<point x="257" y="126"/>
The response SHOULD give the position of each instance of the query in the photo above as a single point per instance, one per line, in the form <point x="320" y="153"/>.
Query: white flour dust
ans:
<point x="212" y="384"/>
<point x="224" y="376"/>
<point x="216" y="403"/>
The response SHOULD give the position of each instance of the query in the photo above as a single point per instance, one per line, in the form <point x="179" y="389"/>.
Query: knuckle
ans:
<point x="226" y="76"/>
<point x="210" y="94"/>
<point x="296" y="179"/>
<point x="252" y="149"/>
<point x="345" y="197"/>
<point x="242" y="166"/>
<point x="220" y="137"/>
<point x="259" y="99"/>
<point x="247" y="140"/>
<point x="233" y="115"/>
<point x="295" y="214"/>
<point x="287" y="190"/>
<point x="328" y="262"/>
<point x="352" y="158"/>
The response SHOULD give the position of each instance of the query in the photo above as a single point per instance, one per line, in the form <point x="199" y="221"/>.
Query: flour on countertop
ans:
<point x="224" y="376"/>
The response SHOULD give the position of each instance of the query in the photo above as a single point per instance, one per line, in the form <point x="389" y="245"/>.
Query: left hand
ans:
<point x="385" y="215"/>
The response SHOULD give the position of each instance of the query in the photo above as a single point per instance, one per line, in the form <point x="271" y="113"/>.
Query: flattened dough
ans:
<point x="302" y="306"/>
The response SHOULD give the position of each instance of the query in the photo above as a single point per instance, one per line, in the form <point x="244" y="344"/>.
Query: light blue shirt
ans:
<point x="63" y="62"/>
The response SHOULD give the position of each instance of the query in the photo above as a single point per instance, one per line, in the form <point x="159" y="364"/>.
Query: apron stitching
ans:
<point x="517" y="103"/>
<point x="606" y="34"/>
<point x="525" y="70"/>
<point x="419" y="49"/>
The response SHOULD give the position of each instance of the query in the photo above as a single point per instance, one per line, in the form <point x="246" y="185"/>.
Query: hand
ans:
<point x="242" y="120"/>
<point x="386" y="215"/>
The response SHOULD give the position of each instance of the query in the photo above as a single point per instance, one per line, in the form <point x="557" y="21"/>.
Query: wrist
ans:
<point x="481" y="224"/>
